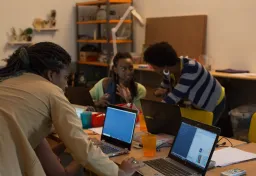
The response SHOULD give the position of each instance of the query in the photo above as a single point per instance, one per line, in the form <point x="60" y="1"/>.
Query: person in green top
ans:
<point x="120" y="87"/>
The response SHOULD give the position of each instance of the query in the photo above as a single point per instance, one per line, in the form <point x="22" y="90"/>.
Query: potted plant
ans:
<point x="28" y="32"/>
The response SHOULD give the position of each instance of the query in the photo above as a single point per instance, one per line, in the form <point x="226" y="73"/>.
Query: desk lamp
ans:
<point x="132" y="10"/>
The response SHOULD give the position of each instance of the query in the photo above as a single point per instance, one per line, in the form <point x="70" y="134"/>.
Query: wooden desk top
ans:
<point x="243" y="76"/>
<point x="249" y="166"/>
<point x="138" y="153"/>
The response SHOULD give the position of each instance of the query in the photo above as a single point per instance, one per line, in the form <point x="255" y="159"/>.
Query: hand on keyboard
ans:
<point x="129" y="166"/>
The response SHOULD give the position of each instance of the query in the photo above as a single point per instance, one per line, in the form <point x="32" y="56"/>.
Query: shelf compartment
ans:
<point x="103" y="2"/>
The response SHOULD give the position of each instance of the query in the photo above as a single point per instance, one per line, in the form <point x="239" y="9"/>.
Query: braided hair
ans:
<point x="38" y="59"/>
<point x="132" y="85"/>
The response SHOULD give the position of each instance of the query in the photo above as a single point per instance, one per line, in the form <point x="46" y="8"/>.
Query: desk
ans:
<point x="242" y="76"/>
<point x="249" y="166"/>
<point x="138" y="153"/>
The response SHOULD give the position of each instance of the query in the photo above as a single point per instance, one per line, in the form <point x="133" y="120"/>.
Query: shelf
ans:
<point x="20" y="43"/>
<point x="103" y="2"/>
<point x="46" y="29"/>
<point x="104" y="41"/>
<point x="103" y="22"/>
<point x="136" y="67"/>
<point x="95" y="63"/>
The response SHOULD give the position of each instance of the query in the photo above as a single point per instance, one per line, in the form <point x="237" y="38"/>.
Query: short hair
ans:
<point x="161" y="54"/>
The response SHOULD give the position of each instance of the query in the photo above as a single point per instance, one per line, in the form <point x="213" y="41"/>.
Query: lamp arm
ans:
<point x="115" y="29"/>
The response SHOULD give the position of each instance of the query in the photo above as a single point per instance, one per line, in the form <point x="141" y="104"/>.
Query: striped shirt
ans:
<point x="197" y="85"/>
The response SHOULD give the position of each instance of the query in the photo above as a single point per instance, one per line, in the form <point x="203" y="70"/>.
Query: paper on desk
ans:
<point x="96" y="130"/>
<point x="228" y="156"/>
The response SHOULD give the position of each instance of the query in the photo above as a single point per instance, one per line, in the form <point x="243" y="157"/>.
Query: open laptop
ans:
<point x="190" y="154"/>
<point x="118" y="130"/>
<point x="161" y="117"/>
<point x="84" y="98"/>
<point x="81" y="96"/>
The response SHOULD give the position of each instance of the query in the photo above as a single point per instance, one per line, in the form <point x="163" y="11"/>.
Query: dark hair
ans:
<point x="133" y="86"/>
<point x="37" y="59"/>
<point x="161" y="55"/>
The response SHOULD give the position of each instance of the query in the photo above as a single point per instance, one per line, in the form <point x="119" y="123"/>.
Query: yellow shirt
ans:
<point x="29" y="105"/>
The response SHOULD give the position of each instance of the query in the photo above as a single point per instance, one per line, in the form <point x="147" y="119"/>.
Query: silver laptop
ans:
<point x="190" y="154"/>
<point x="117" y="132"/>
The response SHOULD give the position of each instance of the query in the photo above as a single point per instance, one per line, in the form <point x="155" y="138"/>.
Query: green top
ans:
<point x="97" y="92"/>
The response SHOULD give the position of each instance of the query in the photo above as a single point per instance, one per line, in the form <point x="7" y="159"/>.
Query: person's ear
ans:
<point x="50" y="75"/>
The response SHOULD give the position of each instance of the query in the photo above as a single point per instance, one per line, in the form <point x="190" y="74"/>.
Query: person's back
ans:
<point x="31" y="101"/>
<point x="24" y="109"/>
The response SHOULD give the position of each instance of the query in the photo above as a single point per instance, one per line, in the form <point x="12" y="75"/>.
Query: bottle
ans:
<point x="101" y="14"/>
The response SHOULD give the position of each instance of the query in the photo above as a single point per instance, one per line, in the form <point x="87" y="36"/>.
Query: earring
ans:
<point x="166" y="72"/>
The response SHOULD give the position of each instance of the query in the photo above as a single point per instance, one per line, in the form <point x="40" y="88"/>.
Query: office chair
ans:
<point x="252" y="129"/>
<point x="197" y="115"/>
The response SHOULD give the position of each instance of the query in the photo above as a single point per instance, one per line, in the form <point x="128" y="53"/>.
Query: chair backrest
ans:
<point x="79" y="96"/>
<point x="197" y="115"/>
<point x="252" y="129"/>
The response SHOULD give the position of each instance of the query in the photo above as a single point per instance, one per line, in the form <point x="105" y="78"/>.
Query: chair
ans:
<point x="78" y="96"/>
<point x="197" y="115"/>
<point x="252" y="129"/>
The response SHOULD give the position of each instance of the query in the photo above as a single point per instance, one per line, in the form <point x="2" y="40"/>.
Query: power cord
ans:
<point x="223" y="144"/>
<point x="165" y="144"/>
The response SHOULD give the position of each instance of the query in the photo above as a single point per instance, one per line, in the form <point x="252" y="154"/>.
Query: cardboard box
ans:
<point x="88" y="56"/>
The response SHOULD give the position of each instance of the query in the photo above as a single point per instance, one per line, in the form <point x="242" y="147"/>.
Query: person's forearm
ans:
<point x="72" y="168"/>
<point x="58" y="149"/>
<point x="121" y="173"/>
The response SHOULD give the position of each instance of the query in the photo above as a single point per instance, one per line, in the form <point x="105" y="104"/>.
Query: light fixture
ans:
<point x="114" y="30"/>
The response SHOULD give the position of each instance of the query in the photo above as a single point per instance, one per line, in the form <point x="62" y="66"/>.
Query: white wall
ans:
<point x="21" y="13"/>
<point x="231" y="33"/>
<point x="231" y="37"/>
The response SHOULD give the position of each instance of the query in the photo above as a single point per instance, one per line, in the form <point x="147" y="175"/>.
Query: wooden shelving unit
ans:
<point x="103" y="2"/>
<point x="46" y="29"/>
<point x="103" y="22"/>
<point x="104" y="41"/>
<point x="20" y="43"/>
<point x="93" y="63"/>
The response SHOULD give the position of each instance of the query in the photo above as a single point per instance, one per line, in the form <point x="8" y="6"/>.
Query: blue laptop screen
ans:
<point x="193" y="145"/>
<point x="119" y="124"/>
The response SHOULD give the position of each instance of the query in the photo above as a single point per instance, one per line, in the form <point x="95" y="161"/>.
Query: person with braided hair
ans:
<point x="31" y="101"/>
<point x="121" y="87"/>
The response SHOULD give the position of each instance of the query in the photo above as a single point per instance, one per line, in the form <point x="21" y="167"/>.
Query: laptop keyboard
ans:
<point x="166" y="168"/>
<point x="108" y="149"/>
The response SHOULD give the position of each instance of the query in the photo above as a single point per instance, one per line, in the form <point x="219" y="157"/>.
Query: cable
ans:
<point x="165" y="144"/>
<point x="224" y="143"/>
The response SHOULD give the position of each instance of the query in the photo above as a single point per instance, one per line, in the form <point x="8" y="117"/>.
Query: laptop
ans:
<point x="81" y="96"/>
<point x="190" y="154"/>
<point x="84" y="98"/>
<point x="161" y="117"/>
<point x="118" y="130"/>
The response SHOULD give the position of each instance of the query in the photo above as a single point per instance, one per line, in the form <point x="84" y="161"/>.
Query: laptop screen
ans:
<point x="79" y="111"/>
<point x="193" y="145"/>
<point x="119" y="124"/>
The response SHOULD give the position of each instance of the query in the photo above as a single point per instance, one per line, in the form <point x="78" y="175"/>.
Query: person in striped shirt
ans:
<point x="194" y="82"/>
